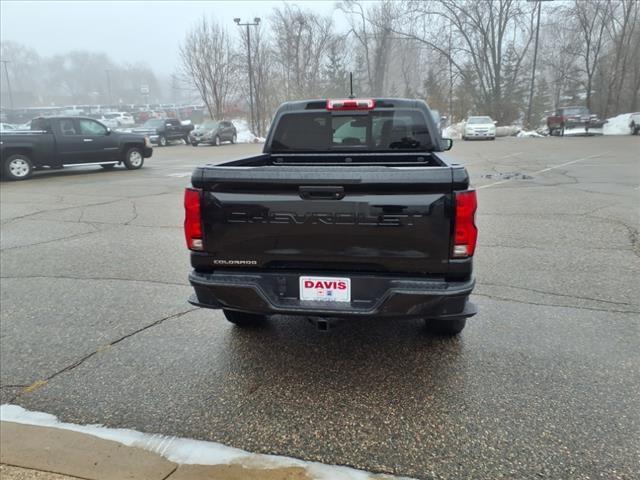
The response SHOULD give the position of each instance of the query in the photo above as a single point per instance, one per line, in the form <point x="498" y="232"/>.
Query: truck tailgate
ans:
<point x="315" y="218"/>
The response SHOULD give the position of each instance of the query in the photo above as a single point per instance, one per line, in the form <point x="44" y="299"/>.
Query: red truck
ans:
<point x="573" y="118"/>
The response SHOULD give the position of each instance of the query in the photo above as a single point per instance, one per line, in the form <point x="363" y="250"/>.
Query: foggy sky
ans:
<point x="128" y="31"/>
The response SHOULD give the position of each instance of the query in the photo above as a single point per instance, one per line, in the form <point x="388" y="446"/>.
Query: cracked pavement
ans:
<point x="543" y="383"/>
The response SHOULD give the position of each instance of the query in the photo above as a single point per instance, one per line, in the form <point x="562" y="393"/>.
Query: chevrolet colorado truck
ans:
<point x="57" y="142"/>
<point x="350" y="211"/>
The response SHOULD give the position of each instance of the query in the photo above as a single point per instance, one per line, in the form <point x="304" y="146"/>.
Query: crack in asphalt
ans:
<point x="575" y="297"/>
<point x="540" y="304"/>
<point x="496" y="245"/>
<point x="97" y="204"/>
<point x="101" y="348"/>
<point x="76" y="235"/>
<point x="135" y="213"/>
<point x="71" y="277"/>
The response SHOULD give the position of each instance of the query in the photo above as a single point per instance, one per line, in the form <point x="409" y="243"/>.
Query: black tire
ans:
<point x="234" y="139"/>
<point x="194" y="143"/>
<point x="464" y="138"/>
<point x="133" y="159"/>
<point x="216" y="141"/>
<point x="162" y="141"/>
<point x="492" y="138"/>
<point x="108" y="166"/>
<point x="446" y="327"/>
<point x="561" y="131"/>
<point x="17" y="167"/>
<point x="242" y="319"/>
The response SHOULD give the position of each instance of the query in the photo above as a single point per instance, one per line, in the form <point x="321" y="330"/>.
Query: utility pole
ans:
<point x="6" y="72"/>
<point x="256" y="22"/>
<point x="108" y="85"/>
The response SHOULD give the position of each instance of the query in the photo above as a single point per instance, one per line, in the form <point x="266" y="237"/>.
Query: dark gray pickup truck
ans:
<point x="161" y="131"/>
<point x="350" y="211"/>
<point x="57" y="142"/>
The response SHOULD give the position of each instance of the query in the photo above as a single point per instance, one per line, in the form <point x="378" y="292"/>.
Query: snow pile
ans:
<point x="186" y="451"/>
<point x="618" y="125"/>
<point x="244" y="132"/>
<point x="529" y="134"/>
<point x="454" y="131"/>
<point x="508" y="131"/>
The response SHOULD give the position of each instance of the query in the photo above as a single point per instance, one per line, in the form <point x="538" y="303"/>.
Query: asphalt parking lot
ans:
<point x="543" y="383"/>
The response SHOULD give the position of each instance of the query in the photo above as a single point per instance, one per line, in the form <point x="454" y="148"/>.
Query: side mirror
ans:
<point x="448" y="143"/>
<point x="108" y="131"/>
<point x="495" y="122"/>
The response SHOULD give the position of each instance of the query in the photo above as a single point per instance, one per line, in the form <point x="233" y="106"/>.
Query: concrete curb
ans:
<point x="87" y="457"/>
<point x="38" y="452"/>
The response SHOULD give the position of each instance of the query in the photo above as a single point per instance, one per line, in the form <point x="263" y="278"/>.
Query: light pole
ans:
<point x="107" y="71"/>
<point x="256" y="22"/>
<point x="533" y="70"/>
<point x="6" y="73"/>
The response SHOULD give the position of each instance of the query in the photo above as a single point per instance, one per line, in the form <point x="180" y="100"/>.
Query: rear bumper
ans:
<point x="372" y="295"/>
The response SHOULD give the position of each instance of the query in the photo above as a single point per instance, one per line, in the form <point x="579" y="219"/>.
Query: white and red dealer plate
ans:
<point x="328" y="289"/>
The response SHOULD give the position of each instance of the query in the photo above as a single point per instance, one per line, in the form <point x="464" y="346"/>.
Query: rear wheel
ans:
<point x="17" y="167"/>
<point x="133" y="159"/>
<point x="216" y="141"/>
<point x="242" y="319"/>
<point x="446" y="327"/>
<point x="234" y="139"/>
<point x="162" y="141"/>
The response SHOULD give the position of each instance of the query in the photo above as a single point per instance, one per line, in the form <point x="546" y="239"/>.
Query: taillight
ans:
<point x="192" y="221"/>
<point x="351" y="104"/>
<point x="466" y="233"/>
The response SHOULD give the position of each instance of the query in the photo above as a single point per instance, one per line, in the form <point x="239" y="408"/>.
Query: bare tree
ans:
<point x="592" y="18"/>
<point x="208" y="64"/>
<point x="264" y="82"/>
<point x="624" y="16"/>
<point x="301" y="42"/>
<point x="373" y="30"/>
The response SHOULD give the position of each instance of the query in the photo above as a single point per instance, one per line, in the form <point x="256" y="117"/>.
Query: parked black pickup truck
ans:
<point x="163" y="130"/>
<point x="57" y="142"/>
<point x="350" y="211"/>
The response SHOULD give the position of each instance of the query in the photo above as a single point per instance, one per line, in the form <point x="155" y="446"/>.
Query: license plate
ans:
<point x="328" y="289"/>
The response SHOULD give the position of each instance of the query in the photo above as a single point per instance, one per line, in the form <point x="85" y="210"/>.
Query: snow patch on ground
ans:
<point x="187" y="451"/>
<point x="529" y="134"/>
<point x="244" y="132"/>
<point x="618" y="125"/>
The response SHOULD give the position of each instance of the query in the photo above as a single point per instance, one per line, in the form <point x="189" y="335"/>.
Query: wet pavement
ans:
<point x="543" y="383"/>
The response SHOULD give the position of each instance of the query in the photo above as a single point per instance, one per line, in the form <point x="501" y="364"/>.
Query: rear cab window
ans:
<point x="374" y="131"/>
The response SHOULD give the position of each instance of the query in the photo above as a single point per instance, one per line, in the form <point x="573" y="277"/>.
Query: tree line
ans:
<point x="511" y="59"/>
<point x="77" y="77"/>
